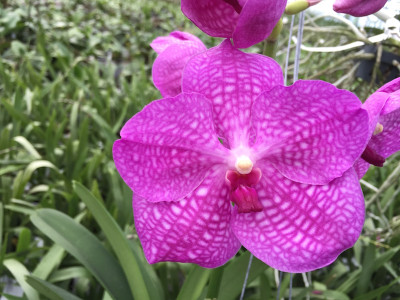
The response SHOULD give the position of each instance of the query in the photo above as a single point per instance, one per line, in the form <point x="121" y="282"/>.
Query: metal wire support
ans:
<point x="246" y="277"/>
<point x="298" y="47"/>
<point x="288" y="49"/>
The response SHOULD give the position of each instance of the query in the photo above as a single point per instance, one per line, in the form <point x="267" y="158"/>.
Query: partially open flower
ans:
<point x="173" y="51"/>
<point x="383" y="107"/>
<point x="358" y="8"/>
<point x="270" y="186"/>
<point x="248" y="22"/>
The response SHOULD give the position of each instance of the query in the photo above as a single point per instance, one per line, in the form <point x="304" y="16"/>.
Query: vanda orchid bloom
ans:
<point x="358" y="8"/>
<point x="383" y="107"/>
<point x="247" y="22"/>
<point x="173" y="51"/>
<point x="270" y="186"/>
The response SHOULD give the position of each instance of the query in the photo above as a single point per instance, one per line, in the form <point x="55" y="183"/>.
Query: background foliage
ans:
<point x="71" y="73"/>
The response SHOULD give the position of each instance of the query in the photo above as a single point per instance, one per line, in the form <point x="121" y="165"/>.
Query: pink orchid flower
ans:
<point x="173" y="51"/>
<point x="358" y="8"/>
<point x="282" y="149"/>
<point x="248" y="22"/>
<point x="383" y="107"/>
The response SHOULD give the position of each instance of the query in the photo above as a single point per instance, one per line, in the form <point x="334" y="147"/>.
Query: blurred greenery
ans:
<point x="71" y="73"/>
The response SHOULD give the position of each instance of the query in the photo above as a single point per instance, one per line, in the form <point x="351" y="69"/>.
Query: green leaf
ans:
<point x="24" y="239"/>
<point x="19" y="272"/>
<point x="49" y="262"/>
<point x="28" y="146"/>
<point x="141" y="285"/>
<point x="69" y="273"/>
<point x="85" y="247"/>
<point x="376" y="294"/>
<point x="49" y="290"/>
<point x="194" y="283"/>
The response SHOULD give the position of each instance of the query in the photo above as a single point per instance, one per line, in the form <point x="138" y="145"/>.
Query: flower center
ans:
<point x="378" y="129"/>
<point x="243" y="164"/>
<point x="242" y="192"/>
<point x="235" y="4"/>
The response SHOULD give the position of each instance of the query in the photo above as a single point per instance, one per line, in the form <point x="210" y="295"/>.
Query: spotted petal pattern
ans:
<point x="168" y="147"/>
<point x="302" y="227"/>
<point x="174" y="52"/>
<point x="232" y="79"/>
<point x="311" y="132"/>
<point x="195" y="229"/>
<point x="247" y="22"/>
<point x="358" y="8"/>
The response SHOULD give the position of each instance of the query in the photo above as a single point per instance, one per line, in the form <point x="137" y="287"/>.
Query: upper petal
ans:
<point x="161" y="43"/>
<point x="302" y="227"/>
<point x="256" y="21"/>
<point x="194" y="230"/>
<point x="358" y="8"/>
<point x="168" y="67"/>
<point x="311" y="131"/>
<point x="214" y="17"/>
<point x="167" y="148"/>
<point x="232" y="80"/>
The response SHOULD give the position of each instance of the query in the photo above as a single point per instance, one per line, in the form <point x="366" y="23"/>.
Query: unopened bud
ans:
<point x="298" y="6"/>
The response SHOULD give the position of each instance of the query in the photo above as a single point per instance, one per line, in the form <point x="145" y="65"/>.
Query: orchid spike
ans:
<point x="247" y="22"/>
<point x="358" y="8"/>
<point x="270" y="187"/>
<point x="383" y="107"/>
<point x="173" y="51"/>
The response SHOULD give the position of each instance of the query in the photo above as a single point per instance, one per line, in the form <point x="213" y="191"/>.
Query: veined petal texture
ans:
<point x="358" y="8"/>
<point x="311" y="131"/>
<point x="302" y="227"/>
<point x="247" y="22"/>
<point x="174" y="51"/>
<point x="166" y="150"/>
<point x="214" y="17"/>
<point x="232" y="80"/>
<point x="256" y="21"/>
<point x="195" y="229"/>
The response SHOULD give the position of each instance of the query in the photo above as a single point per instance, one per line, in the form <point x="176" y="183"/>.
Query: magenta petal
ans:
<point x="232" y="79"/>
<point x="214" y="17"/>
<point x="256" y="21"/>
<point x="358" y="8"/>
<point x="163" y="42"/>
<point x="373" y="105"/>
<point x="303" y="227"/>
<point x="194" y="230"/>
<point x="311" y="131"/>
<point x="174" y="52"/>
<point x="388" y="141"/>
<point x="361" y="167"/>
<point x="167" y="148"/>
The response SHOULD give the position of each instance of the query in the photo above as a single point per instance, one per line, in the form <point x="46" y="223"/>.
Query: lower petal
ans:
<point x="302" y="227"/>
<point x="193" y="230"/>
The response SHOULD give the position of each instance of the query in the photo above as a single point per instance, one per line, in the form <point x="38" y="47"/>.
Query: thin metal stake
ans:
<point x="298" y="47"/>
<point x="290" y="286"/>
<point x="246" y="277"/>
<point x="279" y="285"/>
<point x="288" y="48"/>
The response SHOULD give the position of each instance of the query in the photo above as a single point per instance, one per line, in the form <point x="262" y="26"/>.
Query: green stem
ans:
<point x="215" y="282"/>
<point x="270" y="44"/>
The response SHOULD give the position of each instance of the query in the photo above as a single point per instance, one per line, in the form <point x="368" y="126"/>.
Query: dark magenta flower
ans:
<point x="358" y="8"/>
<point x="383" y="107"/>
<point x="248" y="22"/>
<point x="173" y="51"/>
<point x="282" y="149"/>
